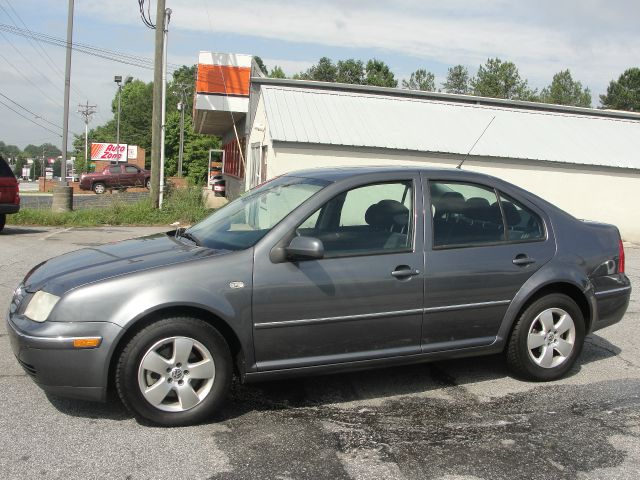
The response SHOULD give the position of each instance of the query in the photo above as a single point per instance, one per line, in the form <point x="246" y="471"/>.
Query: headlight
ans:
<point x="40" y="306"/>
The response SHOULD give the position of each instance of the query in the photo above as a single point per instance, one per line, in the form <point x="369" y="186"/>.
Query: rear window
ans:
<point x="5" y="170"/>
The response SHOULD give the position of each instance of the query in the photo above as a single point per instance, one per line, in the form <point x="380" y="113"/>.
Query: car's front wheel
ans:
<point x="547" y="338"/>
<point x="175" y="372"/>
<point x="148" y="184"/>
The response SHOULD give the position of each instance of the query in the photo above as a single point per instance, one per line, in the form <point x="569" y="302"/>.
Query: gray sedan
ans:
<point x="316" y="272"/>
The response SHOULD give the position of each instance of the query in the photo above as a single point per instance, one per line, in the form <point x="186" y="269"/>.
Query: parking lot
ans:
<point x="463" y="419"/>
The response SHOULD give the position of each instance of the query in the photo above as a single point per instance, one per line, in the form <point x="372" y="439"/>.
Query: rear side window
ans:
<point x="5" y="170"/>
<point x="129" y="169"/>
<point x="465" y="214"/>
<point x="114" y="170"/>
<point x="522" y="223"/>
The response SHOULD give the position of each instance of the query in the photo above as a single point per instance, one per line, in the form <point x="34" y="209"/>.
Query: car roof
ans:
<point x="335" y="174"/>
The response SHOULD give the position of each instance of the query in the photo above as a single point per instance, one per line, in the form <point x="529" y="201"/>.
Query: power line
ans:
<point x="29" y="111"/>
<point x="29" y="119"/>
<point x="111" y="55"/>
<point x="40" y="49"/>
<point x="146" y="17"/>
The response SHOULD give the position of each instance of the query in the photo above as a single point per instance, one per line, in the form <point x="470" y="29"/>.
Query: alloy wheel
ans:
<point x="551" y="337"/>
<point x="176" y="374"/>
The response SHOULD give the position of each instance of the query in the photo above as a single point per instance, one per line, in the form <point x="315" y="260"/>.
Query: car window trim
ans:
<point x="413" y="230"/>
<point x="497" y="192"/>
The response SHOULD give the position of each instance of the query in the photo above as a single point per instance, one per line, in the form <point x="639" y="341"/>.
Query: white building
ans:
<point x="586" y="161"/>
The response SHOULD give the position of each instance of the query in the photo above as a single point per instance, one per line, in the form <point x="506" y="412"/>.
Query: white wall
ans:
<point x="606" y="195"/>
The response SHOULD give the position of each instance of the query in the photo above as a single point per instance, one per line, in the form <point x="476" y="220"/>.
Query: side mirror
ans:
<point x="305" y="248"/>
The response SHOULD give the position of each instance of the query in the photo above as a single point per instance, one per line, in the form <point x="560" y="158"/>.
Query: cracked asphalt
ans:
<point x="453" y="420"/>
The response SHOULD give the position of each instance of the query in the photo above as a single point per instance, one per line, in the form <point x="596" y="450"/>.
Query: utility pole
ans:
<point x="156" y="121"/>
<point x="67" y="87"/>
<point x="86" y="111"/>
<point x="167" y="19"/>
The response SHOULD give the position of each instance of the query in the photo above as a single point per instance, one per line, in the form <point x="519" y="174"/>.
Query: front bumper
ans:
<point x="47" y="353"/>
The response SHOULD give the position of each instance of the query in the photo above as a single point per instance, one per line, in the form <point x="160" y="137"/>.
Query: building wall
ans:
<point x="602" y="194"/>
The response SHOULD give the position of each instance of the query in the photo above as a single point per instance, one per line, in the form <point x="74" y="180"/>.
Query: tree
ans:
<point x="378" y="73"/>
<point x="323" y="71"/>
<point x="8" y="151"/>
<point x="261" y="64"/>
<point x="420" y="80"/>
<point x="566" y="91"/>
<point x="277" y="72"/>
<point x="350" y="71"/>
<point x="500" y="79"/>
<point x="623" y="94"/>
<point x="457" y="80"/>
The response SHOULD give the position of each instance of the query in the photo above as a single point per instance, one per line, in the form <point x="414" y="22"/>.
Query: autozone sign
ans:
<point x="109" y="151"/>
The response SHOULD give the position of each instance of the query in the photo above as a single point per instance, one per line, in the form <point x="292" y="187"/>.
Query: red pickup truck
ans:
<point x="116" y="177"/>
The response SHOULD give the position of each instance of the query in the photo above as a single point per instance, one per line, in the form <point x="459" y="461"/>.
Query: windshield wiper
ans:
<point x="182" y="233"/>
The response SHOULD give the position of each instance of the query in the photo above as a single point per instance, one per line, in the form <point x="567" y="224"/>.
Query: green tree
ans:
<point x="277" y="72"/>
<point x="457" y="80"/>
<point x="183" y="77"/>
<point x="8" y="151"/>
<point x="624" y="93"/>
<point x="196" y="156"/>
<point x="323" y="71"/>
<point x="420" y="80"/>
<point x="500" y="79"/>
<point x="378" y="73"/>
<point x="564" y="90"/>
<point x="261" y="64"/>
<point x="350" y="71"/>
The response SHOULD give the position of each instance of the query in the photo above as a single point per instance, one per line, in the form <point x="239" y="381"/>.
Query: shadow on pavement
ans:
<point x="18" y="230"/>
<point x="375" y="385"/>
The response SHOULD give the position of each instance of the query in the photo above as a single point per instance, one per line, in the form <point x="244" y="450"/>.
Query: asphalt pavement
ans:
<point x="453" y="420"/>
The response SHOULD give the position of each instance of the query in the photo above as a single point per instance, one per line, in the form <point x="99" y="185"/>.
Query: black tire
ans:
<point x="148" y="184"/>
<point x="3" y="220"/>
<point x="99" y="188"/>
<point x="519" y="357"/>
<point x="129" y="363"/>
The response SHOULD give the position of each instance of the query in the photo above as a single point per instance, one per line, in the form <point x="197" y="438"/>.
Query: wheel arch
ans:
<point x="235" y="346"/>
<point x="585" y="302"/>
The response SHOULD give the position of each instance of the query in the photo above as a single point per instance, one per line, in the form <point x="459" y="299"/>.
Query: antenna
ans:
<point x="474" y="143"/>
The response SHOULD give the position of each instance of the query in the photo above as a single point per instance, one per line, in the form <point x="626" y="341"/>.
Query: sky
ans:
<point x="596" y="39"/>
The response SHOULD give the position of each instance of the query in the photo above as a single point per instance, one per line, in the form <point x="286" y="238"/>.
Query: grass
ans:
<point x="180" y="205"/>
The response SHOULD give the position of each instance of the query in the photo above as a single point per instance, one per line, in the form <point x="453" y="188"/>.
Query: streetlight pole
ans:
<point x="118" y="80"/>
<point x="181" y="106"/>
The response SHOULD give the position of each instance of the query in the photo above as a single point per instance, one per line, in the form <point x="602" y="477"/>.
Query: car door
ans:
<point x="130" y="176"/>
<point x="115" y="176"/>
<point x="364" y="299"/>
<point x="481" y="248"/>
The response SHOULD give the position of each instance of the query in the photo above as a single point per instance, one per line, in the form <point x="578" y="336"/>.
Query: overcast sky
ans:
<point x="596" y="39"/>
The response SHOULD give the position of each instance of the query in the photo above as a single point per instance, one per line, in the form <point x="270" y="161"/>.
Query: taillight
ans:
<point x="620" y="257"/>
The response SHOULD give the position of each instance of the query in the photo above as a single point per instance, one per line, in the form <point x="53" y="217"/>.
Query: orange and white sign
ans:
<point x="109" y="151"/>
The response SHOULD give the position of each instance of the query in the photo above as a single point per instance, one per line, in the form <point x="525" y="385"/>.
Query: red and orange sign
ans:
<point x="109" y="151"/>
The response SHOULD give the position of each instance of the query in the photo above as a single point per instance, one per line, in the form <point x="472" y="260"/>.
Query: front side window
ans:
<point x="243" y="222"/>
<point x="372" y="219"/>
<point x="130" y="169"/>
<point x="465" y="214"/>
<point x="114" y="170"/>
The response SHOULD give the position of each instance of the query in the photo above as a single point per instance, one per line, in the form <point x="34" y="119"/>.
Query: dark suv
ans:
<point x="9" y="192"/>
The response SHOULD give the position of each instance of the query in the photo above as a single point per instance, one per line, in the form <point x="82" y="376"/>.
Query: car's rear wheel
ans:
<point x="3" y="220"/>
<point x="547" y="338"/>
<point x="99" y="188"/>
<point x="175" y="372"/>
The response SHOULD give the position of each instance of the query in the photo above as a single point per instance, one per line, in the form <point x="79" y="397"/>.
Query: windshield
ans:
<point x="243" y="222"/>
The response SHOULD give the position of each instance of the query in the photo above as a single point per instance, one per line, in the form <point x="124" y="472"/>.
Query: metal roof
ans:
<point x="381" y="118"/>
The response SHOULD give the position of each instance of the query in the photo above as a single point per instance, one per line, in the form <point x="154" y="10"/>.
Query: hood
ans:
<point x="89" y="265"/>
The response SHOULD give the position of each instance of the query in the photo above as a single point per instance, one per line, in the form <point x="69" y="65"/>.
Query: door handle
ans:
<point x="522" y="260"/>
<point x="404" y="271"/>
